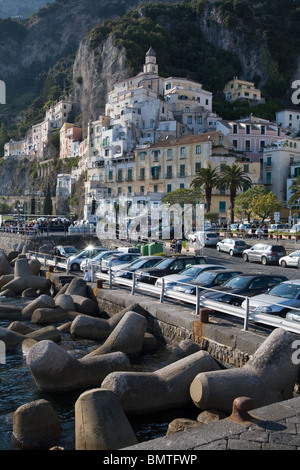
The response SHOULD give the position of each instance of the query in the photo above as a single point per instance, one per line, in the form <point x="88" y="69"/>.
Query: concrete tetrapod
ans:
<point x="100" y="422"/>
<point x="127" y="336"/>
<point x="36" y="426"/>
<point x="24" y="279"/>
<point x="55" y="370"/>
<point x="268" y="377"/>
<point x="167" y="388"/>
<point x="90" y="327"/>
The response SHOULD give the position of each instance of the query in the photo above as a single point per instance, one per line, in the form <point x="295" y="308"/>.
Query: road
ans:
<point x="236" y="262"/>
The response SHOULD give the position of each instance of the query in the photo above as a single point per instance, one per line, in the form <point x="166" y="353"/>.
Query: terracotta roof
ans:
<point x="189" y="139"/>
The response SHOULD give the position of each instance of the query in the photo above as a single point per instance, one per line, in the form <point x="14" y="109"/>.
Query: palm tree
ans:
<point x="295" y="187"/>
<point x="233" y="178"/>
<point x="208" y="179"/>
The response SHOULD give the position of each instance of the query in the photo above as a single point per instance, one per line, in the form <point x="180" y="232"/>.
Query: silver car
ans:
<point x="291" y="260"/>
<point x="186" y="275"/>
<point x="278" y="300"/>
<point x="233" y="246"/>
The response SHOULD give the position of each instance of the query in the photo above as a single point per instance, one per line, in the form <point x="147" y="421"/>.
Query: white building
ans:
<point x="279" y="163"/>
<point x="288" y="120"/>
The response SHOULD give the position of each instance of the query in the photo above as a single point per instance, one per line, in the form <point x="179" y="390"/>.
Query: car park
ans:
<point x="236" y="289"/>
<point x="142" y="262"/>
<point x="290" y="260"/>
<point x="207" y="279"/>
<point x="186" y="275"/>
<point x="264" y="253"/>
<point x="95" y="260"/>
<point x="89" y="252"/>
<point x="170" y="265"/>
<point x="278" y="300"/>
<point x="233" y="246"/>
<point x="118" y="259"/>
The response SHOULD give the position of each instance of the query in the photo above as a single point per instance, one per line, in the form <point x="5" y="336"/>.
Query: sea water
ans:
<point x="18" y="388"/>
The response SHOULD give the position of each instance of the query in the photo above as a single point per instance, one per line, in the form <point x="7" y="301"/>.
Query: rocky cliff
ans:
<point x="94" y="73"/>
<point x="19" y="8"/>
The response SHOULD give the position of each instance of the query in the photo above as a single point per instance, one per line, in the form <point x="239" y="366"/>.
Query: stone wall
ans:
<point x="172" y="323"/>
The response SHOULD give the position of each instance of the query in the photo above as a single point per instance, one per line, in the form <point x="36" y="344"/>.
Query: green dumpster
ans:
<point x="155" y="247"/>
<point x="144" y="250"/>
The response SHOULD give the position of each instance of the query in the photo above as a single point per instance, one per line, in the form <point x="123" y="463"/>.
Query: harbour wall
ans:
<point x="172" y="323"/>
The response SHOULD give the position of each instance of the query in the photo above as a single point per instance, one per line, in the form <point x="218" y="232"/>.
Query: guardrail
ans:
<point x="49" y="260"/>
<point x="201" y="302"/>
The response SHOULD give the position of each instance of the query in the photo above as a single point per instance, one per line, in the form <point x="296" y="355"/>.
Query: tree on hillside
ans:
<point x="265" y="205"/>
<point x="206" y="179"/>
<point x="242" y="203"/>
<point x="47" y="205"/>
<point x="233" y="178"/>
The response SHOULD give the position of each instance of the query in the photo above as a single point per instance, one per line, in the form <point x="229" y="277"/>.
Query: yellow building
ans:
<point x="238" y="89"/>
<point x="153" y="171"/>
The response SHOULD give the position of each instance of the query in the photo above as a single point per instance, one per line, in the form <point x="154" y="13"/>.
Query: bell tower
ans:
<point x="150" y="65"/>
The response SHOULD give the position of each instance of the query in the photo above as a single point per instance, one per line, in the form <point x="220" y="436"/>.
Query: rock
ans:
<point x="100" y="422"/>
<point x="83" y="304"/>
<point x="77" y="287"/>
<point x="169" y="386"/>
<point x="49" y="315"/>
<point x="5" y="267"/>
<point x="180" y="424"/>
<point x="11" y="339"/>
<point x="84" y="326"/>
<point x="209" y="416"/>
<point x="43" y="301"/>
<point x="36" y="426"/>
<point x="20" y="327"/>
<point x="268" y="377"/>
<point x="48" y="332"/>
<point x="127" y="336"/>
<point x="65" y="302"/>
<point x="55" y="370"/>
<point x="24" y="279"/>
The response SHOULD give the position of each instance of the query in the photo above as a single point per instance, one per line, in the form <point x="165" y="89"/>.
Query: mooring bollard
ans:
<point x="204" y="315"/>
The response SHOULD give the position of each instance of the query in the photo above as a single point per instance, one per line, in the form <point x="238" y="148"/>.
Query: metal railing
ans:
<point x="199" y="301"/>
<point x="47" y="259"/>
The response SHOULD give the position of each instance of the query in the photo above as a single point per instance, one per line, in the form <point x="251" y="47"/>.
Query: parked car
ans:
<point x="206" y="238"/>
<point x="66" y="251"/>
<point x="207" y="279"/>
<point x="233" y="246"/>
<point x="186" y="275"/>
<point x="295" y="228"/>
<point x="275" y="227"/>
<point x="264" y="253"/>
<point x="290" y="260"/>
<point x="244" y="285"/>
<point x="118" y="259"/>
<point x="141" y="262"/>
<point x="278" y="300"/>
<point x="89" y="252"/>
<point x="170" y="265"/>
<point x="129" y="249"/>
<point x="95" y="260"/>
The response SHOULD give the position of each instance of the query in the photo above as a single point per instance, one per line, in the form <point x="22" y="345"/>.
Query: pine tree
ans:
<point x="47" y="205"/>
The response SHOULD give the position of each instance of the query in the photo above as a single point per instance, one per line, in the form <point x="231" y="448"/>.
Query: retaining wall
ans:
<point x="171" y="322"/>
